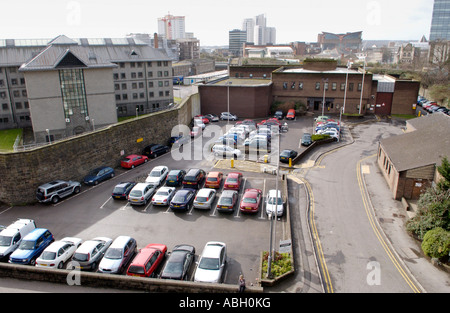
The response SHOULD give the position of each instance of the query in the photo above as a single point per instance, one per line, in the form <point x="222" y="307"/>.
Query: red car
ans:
<point x="147" y="260"/>
<point x="214" y="180"/>
<point x="204" y="119"/>
<point x="251" y="200"/>
<point x="196" y="131"/>
<point x="133" y="160"/>
<point x="233" y="181"/>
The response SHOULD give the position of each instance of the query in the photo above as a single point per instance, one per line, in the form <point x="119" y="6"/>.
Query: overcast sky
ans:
<point x="210" y="21"/>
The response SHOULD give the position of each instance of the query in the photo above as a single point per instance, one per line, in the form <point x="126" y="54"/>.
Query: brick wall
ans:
<point x="71" y="159"/>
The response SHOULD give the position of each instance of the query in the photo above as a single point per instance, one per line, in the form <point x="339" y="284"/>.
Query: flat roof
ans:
<point x="338" y="70"/>
<point x="243" y="82"/>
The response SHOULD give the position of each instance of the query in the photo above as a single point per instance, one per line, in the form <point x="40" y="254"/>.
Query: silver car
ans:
<point x="118" y="255"/>
<point x="141" y="193"/>
<point x="89" y="254"/>
<point x="204" y="198"/>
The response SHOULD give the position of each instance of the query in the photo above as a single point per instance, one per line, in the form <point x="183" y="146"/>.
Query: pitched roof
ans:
<point x="426" y="145"/>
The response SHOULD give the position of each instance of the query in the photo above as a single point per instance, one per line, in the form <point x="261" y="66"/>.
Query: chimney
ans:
<point x="155" y="40"/>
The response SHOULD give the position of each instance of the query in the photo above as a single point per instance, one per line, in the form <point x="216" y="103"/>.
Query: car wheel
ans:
<point x="112" y="175"/>
<point x="132" y="166"/>
<point x="60" y="265"/>
<point x="76" y="190"/>
<point x="96" y="182"/>
<point x="55" y="199"/>
<point x="146" y="160"/>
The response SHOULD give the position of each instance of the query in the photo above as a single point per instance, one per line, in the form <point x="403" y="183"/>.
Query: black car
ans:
<point x="306" y="139"/>
<point x="194" y="178"/>
<point x="175" y="178"/>
<point x="122" y="190"/>
<point x="179" y="263"/>
<point x="153" y="150"/>
<point x="173" y="139"/>
<point x="279" y="115"/>
<point x="287" y="154"/>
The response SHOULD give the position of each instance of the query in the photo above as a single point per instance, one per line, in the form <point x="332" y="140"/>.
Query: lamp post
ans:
<point x="48" y="135"/>
<point x="349" y="65"/>
<point x="228" y="101"/>
<point x="325" y="83"/>
<point x="362" y="86"/>
<point x="269" y="255"/>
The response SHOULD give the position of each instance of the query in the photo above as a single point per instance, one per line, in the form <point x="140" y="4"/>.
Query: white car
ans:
<point x="211" y="264"/>
<point x="228" y="116"/>
<point x="163" y="196"/>
<point x="332" y="132"/>
<point x="57" y="253"/>
<point x="226" y="151"/>
<point x="157" y="175"/>
<point x="274" y="203"/>
<point x="198" y="122"/>
<point x="141" y="193"/>
<point x="204" y="198"/>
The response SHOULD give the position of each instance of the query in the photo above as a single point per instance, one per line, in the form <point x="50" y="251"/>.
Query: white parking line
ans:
<point x="241" y="193"/>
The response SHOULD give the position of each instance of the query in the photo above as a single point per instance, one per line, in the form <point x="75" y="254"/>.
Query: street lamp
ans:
<point x="325" y="83"/>
<point x="228" y="101"/>
<point x="349" y="65"/>
<point x="362" y="87"/>
<point x="48" y="135"/>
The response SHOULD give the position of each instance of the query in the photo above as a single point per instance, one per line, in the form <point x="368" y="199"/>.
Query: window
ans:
<point x="333" y="86"/>
<point x="285" y="84"/>
<point x="350" y="86"/>
<point x="73" y="91"/>
<point x="325" y="85"/>
<point x="342" y="86"/>
<point x="116" y="76"/>
<point x="317" y="86"/>
<point x="133" y="75"/>
<point x="359" y="86"/>
<point x="300" y="86"/>
<point x="293" y="85"/>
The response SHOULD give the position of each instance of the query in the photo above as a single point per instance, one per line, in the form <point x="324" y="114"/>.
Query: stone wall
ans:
<point x="71" y="159"/>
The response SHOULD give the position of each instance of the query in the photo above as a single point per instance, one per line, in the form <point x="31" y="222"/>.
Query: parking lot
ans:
<point x="93" y="213"/>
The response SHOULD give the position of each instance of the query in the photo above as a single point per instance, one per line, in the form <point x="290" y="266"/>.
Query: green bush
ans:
<point x="319" y="137"/>
<point x="281" y="264"/>
<point x="436" y="243"/>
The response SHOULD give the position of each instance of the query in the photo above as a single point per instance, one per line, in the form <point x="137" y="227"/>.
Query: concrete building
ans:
<point x="172" y="27"/>
<point x="409" y="161"/>
<point x="236" y="41"/>
<point x="139" y="79"/>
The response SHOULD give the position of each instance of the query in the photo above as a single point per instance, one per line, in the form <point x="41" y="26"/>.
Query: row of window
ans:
<point x="14" y="82"/>
<point x="141" y="64"/>
<point x="140" y="85"/>
<point x="299" y="86"/>
<point x="140" y="75"/>
<point x="141" y="95"/>
<point x="22" y="118"/>
<point x="18" y="105"/>
<point x="123" y="110"/>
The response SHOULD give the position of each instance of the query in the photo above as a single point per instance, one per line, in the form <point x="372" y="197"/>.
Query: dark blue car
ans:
<point x="32" y="246"/>
<point x="98" y="175"/>
<point x="182" y="199"/>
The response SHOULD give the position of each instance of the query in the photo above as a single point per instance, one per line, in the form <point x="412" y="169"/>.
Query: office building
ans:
<point x="237" y="39"/>
<point x="440" y="23"/>
<point x="63" y="87"/>
<point x="257" y="31"/>
<point x="172" y="27"/>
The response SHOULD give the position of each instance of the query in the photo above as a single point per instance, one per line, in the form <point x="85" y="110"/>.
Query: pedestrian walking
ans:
<point x="241" y="283"/>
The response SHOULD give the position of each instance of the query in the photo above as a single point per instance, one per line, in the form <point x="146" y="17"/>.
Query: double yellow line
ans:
<point x="369" y="212"/>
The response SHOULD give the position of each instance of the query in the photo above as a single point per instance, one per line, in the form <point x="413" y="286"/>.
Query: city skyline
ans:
<point x="211" y="23"/>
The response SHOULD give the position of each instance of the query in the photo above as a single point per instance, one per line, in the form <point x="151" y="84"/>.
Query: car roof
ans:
<point x="141" y="186"/>
<point x="55" y="246"/>
<point x="35" y="233"/>
<point x="204" y="191"/>
<point x="234" y="174"/>
<point x="184" y="191"/>
<point x="88" y="245"/>
<point x="192" y="171"/>
<point x="212" y="249"/>
<point x="214" y="174"/>
<point x="120" y="241"/>
<point x="272" y="193"/>
<point x="228" y="193"/>
<point x="252" y="191"/>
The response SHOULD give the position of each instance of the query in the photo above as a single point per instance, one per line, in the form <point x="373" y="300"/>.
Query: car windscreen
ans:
<point x="119" y="190"/>
<point x="211" y="179"/>
<point x="27" y="245"/>
<point x="209" y="263"/>
<point x="82" y="257"/>
<point x="135" y="193"/>
<point x="162" y="193"/>
<point x="249" y="200"/>
<point x="272" y="200"/>
<point x="48" y="255"/>
<point x="232" y="180"/>
<point x="225" y="201"/>
<point x="5" y="241"/>
<point x="133" y="269"/>
<point x="155" y="174"/>
<point x="179" y="198"/>
<point x="113" y="253"/>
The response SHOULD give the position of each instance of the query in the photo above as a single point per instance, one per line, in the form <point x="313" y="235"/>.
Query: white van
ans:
<point x="11" y="236"/>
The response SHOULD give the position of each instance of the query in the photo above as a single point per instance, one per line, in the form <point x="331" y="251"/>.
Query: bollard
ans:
<point x="232" y="163"/>
<point x="290" y="162"/>
<point x="266" y="158"/>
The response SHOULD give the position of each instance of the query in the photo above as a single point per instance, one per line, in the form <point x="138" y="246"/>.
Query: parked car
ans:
<point x="175" y="178"/>
<point x="154" y="150"/>
<point x="56" y="190"/>
<point x="118" y="255"/>
<point x="211" y="264"/>
<point x="259" y="145"/>
<point x="12" y="235"/>
<point x="182" y="199"/>
<point x="196" y="131"/>
<point x="133" y="160"/>
<point x="58" y="253"/>
<point x="212" y="117"/>
<point x="98" y="175"/>
<point x="278" y="115"/>
<point x="331" y="132"/>
<point x="204" y="198"/>
<point x="194" y="178"/>
<point x="179" y="263"/>
<point x="322" y="118"/>
<point x="233" y="181"/>
<point x="227" y="201"/>
<point x="180" y="141"/>
<point x="198" y="122"/>
<point x="306" y="139"/>
<point x="287" y="154"/>
<point x="251" y="200"/>
<point x="32" y="246"/>
<point x="157" y="175"/>
<point x="214" y="180"/>
<point x="203" y="118"/>
<point x="228" y="116"/>
<point x="274" y="203"/>
<point x="89" y="254"/>
<point x="147" y="260"/>
<point x="290" y="114"/>
<point x="141" y="193"/>
<point x="226" y="151"/>
<point x="163" y="196"/>
<point x="122" y="190"/>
